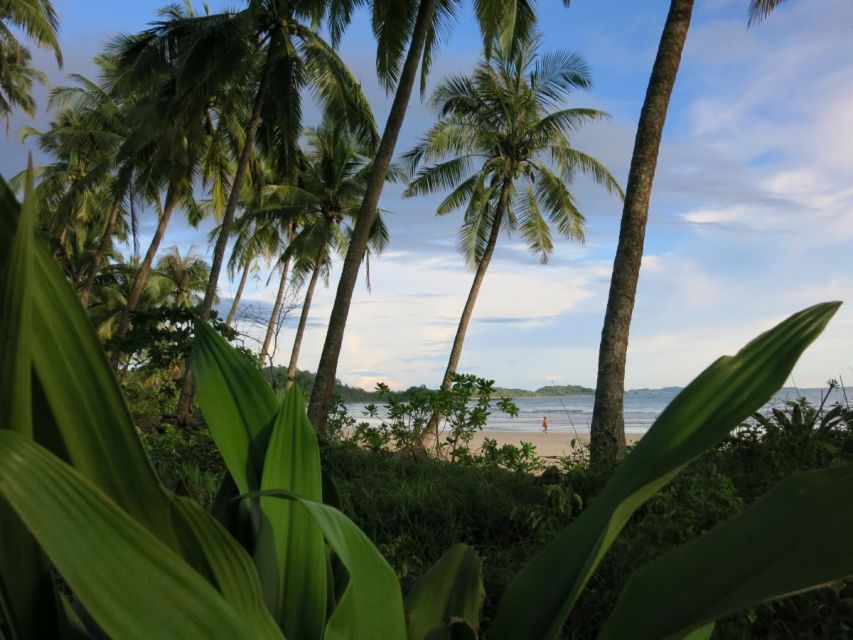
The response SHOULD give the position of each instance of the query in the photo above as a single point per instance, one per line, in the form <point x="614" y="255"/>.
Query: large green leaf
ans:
<point x="290" y="553"/>
<point x="797" y="537"/>
<point x="27" y="602"/>
<point x="238" y="405"/>
<point x="539" y="599"/>
<point x="229" y="568"/>
<point x="16" y="315"/>
<point x="132" y="584"/>
<point x="95" y="431"/>
<point x="451" y="590"/>
<point x="371" y="606"/>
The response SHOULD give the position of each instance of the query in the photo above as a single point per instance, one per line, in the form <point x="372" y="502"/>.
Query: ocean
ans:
<point x="573" y="413"/>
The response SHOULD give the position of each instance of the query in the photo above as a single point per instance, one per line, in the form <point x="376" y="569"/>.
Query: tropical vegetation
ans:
<point x="160" y="472"/>
<point x="502" y="147"/>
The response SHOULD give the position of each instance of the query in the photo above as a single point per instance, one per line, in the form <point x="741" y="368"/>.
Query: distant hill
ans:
<point x="305" y="380"/>
<point x="550" y="390"/>
<point x="663" y="391"/>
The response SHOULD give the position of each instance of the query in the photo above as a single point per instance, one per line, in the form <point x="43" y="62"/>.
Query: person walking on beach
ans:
<point x="545" y="424"/>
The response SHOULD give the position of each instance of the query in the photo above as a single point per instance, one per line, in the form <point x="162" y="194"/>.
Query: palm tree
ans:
<point x="79" y="193"/>
<point x="38" y="20"/>
<point x="269" y="47"/>
<point x="110" y="294"/>
<point x="421" y="24"/>
<point x="502" y="145"/>
<point x="17" y="78"/>
<point x="103" y="116"/>
<point x="254" y="239"/>
<point x="185" y="277"/>
<point x="607" y="429"/>
<point x="327" y="200"/>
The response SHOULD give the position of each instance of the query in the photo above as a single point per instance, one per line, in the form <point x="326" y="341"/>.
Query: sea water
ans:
<point x="574" y="413"/>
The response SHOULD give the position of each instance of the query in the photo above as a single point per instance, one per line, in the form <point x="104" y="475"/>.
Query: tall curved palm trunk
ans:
<point x="607" y="431"/>
<point x="100" y="254"/>
<point x="303" y="321"/>
<point x="145" y="269"/>
<point x="479" y="275"/>
<point x="276" y="311"/>
<point x="324" y="383"/>
<point x="232" y="313"/>
<point x="185" y="399"/>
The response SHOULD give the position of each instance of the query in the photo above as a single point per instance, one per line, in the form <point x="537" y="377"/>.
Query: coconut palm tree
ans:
<point x="17" y="78"/>
<point x="185" y="277"/>
<point x="326" y="201"/>
<point x="110" y="294"/>
<point x="502" y="148"/>
<point x="81" y="192"/>
<point x="607" y="429"/>
<point x="408" y="33"/>
<point x="254" y="239"/>
<point x="271" y="47"/>
<point x="38" y="20"/>
<point x="102" y="122"/>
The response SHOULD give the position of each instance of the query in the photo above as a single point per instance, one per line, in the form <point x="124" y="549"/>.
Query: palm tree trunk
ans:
<point x="185" y="399"/>
<point x="234" y="305"/>
<point x="432" y="431"/>
<point x="324" y="383"/>
<point x="607" y="430"/>
<point x="145" y="269"/>
<point x="103" y="247"/>
<point x="468" y="310"/>
<point x="276" y="310"/>
<point x="303" y="320"/>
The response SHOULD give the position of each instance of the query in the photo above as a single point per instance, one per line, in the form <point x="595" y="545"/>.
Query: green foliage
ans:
<point x="502" y="150"/>
<point x="144" y="562"/>
<point x="186" y="460"/>
<point x="161" y="338"/>
<point x="405" y="420"/>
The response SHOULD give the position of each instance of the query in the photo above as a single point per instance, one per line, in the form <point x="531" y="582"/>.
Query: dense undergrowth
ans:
<point x="415" y="508"/>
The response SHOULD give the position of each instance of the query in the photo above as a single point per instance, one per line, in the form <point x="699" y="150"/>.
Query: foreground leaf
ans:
<point x="131" y="583"/>
<point x="797" y="537"/>
<point x="238" y="405"/>
<point x="539" y="599"/>
<point x="27" y="598"/>
<point x="88" y="412"/>
<point x="371" y="607"/>
<point x="451" y="590"/>
<point x="291" y="554"/>
<point x="229" y="568"/>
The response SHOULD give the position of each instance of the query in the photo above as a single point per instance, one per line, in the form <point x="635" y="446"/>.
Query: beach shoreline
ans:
<point x="550" y="446"/>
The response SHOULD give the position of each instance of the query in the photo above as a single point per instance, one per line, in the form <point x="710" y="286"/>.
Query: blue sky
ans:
<point x="751" y="216"/>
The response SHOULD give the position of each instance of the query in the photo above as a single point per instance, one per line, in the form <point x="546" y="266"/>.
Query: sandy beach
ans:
<point x="549" y="446"/>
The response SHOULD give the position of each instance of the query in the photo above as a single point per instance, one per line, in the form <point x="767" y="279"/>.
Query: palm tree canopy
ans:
<point x="760" y="9"/>
<point x="506" y="21"/>
<point x="36" y="18"/>
<point x="78" y="190"/>
<point x="323" y="201"/>
<point x="186" y="276"/>
<point x="273" y="43"/>
<point x="506" y="123"/>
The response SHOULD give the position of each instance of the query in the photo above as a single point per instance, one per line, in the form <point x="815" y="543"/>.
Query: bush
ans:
<point x="186" y="460"/>
<point x="414" y="510"/>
